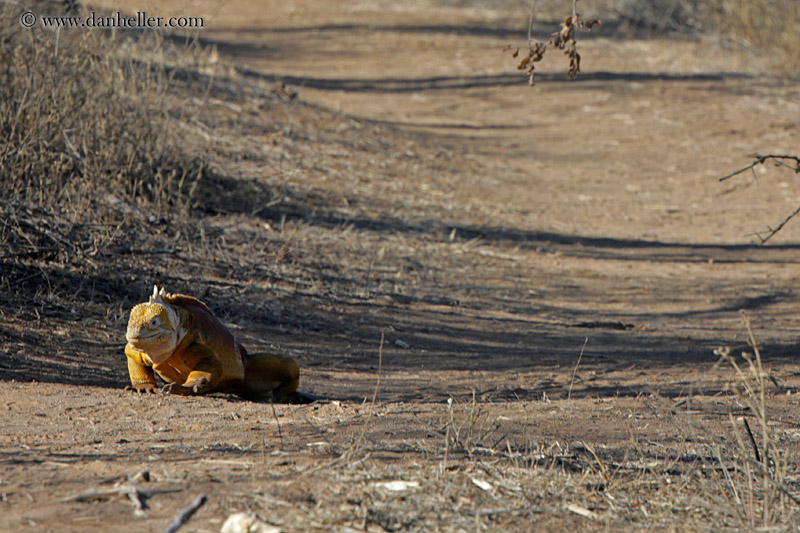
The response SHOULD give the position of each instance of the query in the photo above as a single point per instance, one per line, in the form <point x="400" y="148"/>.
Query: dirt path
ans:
<point x="489" y="230"/>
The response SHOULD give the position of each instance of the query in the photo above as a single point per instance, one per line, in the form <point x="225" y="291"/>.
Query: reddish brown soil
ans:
<point x="418" y="187"/>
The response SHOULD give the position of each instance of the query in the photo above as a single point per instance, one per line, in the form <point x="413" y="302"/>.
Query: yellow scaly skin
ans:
<point x="180" y="339"/>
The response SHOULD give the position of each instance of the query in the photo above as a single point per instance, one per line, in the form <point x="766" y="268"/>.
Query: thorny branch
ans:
<point x="779" y="161"/>
<point x="761" y="159"/>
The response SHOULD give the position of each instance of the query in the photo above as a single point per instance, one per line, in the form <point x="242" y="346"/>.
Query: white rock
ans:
<point x="246" y="523"/>
<point x="397" y="486"/>
<point x="483" y="485"/>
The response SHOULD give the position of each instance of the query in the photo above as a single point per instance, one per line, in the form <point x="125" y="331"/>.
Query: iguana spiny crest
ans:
<point x="155" y="327"/>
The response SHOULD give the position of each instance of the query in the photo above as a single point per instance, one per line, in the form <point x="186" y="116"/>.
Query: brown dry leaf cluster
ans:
<point x="563" y="40"/>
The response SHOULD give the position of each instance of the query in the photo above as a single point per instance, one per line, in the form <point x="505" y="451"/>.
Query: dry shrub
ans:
<point x="89" y="160"/>
<point x="770" y="25"/>
<point x="755" y="477"/>
<point x="82" y="119"/>
<point x="660" y="17"/>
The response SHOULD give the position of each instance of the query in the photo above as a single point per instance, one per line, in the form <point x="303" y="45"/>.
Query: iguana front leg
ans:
<point x="143" y="379"/>
<point x="205" y="374"/>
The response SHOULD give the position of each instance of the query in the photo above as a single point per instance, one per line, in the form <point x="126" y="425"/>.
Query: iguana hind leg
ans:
<point x="268" y="376"/>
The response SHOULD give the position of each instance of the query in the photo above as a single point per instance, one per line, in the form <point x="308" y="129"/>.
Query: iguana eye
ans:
<point x="155" y="322"/>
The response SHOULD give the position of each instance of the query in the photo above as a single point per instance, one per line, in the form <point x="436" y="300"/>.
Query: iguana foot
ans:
<point x="142" y="388"/>
<point x="177" y="389"/>
<point x="191" y="387"/>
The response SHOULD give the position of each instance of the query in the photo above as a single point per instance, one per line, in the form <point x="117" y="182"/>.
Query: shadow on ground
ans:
<point x="430" y="332"/>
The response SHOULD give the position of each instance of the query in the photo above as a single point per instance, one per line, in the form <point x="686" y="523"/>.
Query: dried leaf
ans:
<point x="589" y="24"/>
<point x="563" y="40"/>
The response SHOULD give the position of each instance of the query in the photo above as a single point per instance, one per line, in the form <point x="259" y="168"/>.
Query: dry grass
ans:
<point x="91" y="152"/>
<point x="755" y="477"/>
<point x="772" y="26"/>
<point x="80" y="126"/>
<point x="85" y="153"/>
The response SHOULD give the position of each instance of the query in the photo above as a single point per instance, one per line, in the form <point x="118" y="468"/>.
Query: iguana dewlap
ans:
<point x="180" y="339"/>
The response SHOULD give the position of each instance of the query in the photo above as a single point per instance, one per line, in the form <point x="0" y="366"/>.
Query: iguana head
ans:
<point x="155" y="327"/>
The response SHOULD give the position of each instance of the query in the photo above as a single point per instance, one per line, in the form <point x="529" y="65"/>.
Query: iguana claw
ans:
<point x="176" y="388"/>
<point x="142" y="388"/>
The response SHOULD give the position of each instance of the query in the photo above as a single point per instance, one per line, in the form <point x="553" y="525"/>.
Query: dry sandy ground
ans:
<point x="490" y="231"/>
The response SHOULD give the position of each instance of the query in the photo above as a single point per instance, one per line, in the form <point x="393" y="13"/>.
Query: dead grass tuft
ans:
<point x="89" y="159"/>
<point x="81" y="127"/>
<point x="755" y="477"/>
<point x="769" y="25"/>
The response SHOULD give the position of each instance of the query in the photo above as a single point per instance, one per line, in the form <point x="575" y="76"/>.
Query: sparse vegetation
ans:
<point x="81" y="125"/>
<point x="88" y="159"/>
<point x="755" y="477"/>
<point x="487" y="248"/>
<point x="773" y="26"/>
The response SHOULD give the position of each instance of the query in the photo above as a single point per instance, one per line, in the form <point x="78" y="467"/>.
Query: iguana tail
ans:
<point x="268" y="376"/>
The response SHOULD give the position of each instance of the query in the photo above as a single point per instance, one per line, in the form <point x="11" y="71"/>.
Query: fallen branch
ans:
<point x="186" y="514"/>
<point x="123" y="490"/>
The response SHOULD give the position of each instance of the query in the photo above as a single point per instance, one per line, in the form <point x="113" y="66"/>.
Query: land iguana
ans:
<point x="178" y="337"/>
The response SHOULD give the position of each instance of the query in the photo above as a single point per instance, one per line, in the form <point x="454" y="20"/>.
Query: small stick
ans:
<point x="575" y="370"/>
<point x="280" y="435"/>
<point x="752" y="440"/>
<point x="186" y="514"/>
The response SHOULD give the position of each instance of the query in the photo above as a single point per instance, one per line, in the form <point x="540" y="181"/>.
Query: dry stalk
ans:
<point x="575" y="370"/>
<point x="278" y="422"/>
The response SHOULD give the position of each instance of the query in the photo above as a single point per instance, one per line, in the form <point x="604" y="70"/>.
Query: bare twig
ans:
<point x="772" y="231"/>
<point x="374" y="395"/>
<point x="761" y="159"/>
<point x="186" y="514"/>
<point x="603" y="467"/>
<point x="779" y="160"/>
